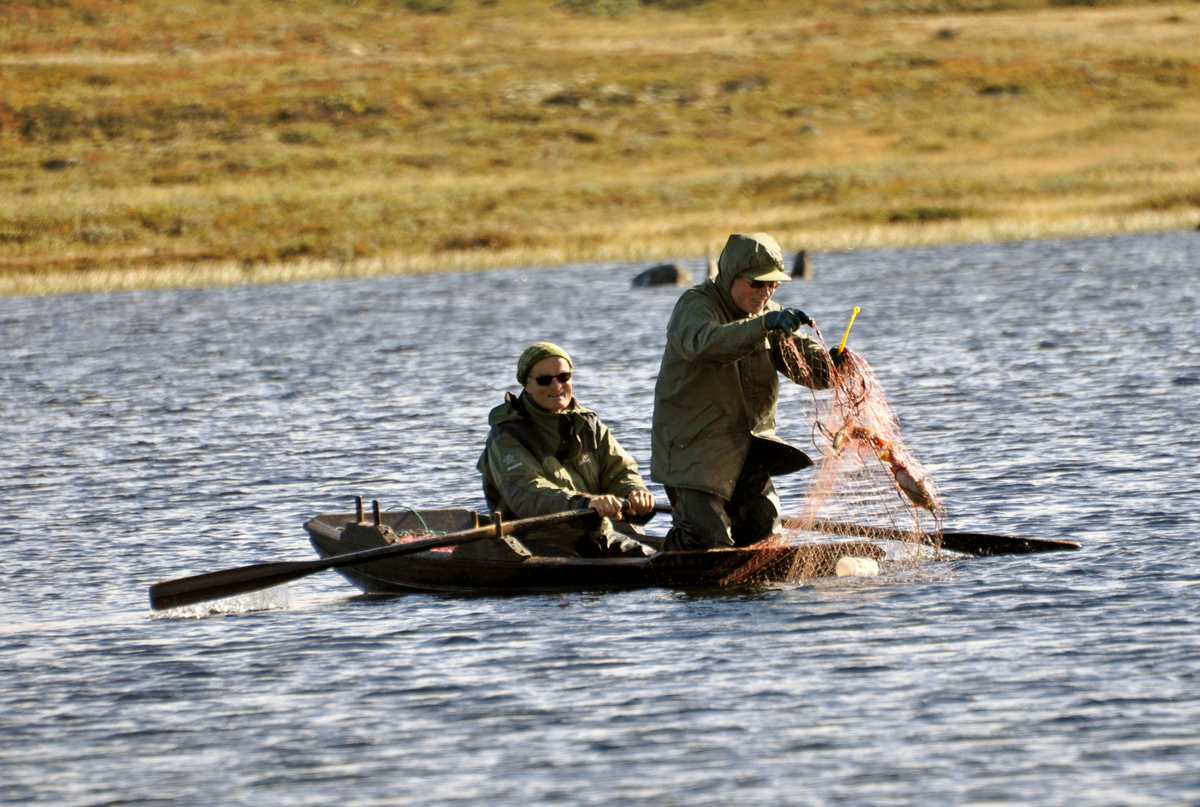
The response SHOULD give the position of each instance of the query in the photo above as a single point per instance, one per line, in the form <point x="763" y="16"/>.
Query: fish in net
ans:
<point x="869" y="497"/>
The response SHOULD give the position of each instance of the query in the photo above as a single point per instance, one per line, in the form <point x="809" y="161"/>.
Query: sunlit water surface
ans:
<point x="1051" y="388"/>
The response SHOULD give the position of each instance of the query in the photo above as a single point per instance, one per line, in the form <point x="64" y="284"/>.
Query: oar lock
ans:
<point x="364" y="533"/>
<point x="519" y="549"/>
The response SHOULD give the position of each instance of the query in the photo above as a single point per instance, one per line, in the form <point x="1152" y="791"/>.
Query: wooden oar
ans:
<point x="969" y="543"/>
<point x="188" y="590"/>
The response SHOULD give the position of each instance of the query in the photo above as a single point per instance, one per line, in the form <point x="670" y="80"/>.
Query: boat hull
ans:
<point x="443" y="572"/>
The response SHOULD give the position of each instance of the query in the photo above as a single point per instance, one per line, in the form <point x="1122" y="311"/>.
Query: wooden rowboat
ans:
<point x="410" y="551"/>
<point x="449" y="572"/>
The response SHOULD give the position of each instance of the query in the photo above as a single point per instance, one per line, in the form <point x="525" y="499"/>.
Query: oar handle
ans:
<point x="197" y="588"/>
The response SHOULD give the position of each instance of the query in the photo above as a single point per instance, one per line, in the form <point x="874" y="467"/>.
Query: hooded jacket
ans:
<point x="718" y="386"/>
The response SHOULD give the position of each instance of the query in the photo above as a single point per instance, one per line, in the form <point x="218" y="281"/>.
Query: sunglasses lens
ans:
<point x="544" y="380"/>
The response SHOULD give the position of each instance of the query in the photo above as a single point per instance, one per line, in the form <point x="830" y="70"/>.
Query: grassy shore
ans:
<point x="195" y="143"/>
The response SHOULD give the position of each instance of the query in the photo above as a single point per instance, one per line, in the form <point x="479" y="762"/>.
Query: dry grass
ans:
<point x="228" y="142"/>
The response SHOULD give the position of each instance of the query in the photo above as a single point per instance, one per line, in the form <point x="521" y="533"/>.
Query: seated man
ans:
<point x="545" y="454"/>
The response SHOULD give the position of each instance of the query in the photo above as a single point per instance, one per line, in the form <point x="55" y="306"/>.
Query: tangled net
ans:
<point x="868" y="497"/>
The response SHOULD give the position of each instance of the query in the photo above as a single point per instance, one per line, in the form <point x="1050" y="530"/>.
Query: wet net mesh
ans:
<point x="870" y="506"/>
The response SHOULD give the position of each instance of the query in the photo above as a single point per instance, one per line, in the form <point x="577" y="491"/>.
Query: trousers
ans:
<point x="705" y="521"/>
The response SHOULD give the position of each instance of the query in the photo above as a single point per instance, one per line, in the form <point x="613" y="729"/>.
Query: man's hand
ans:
<point x="641" y="502"/>
<point x="788" y="320"/>
<point x="607" y="506"/>
<point x="838" y="355"/>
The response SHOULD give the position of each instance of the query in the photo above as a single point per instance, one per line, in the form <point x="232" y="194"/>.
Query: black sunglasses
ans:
<point x="544" y="380"/>
<point x="758" y="284"/>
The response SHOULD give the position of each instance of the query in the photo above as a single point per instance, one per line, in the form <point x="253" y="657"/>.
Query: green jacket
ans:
<point x="537" y="462"/>
<point x="718" y="389"/>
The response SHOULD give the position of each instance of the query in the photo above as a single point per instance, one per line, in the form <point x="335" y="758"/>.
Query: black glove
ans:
<point x="788" y="320"/>
<point x="838" y="355"/>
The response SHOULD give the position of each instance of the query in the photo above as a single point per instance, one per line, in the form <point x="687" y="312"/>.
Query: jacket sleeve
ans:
<point x="619" y="473"/>
<point x="696" y="334"/>
<point x="814" y="371"/>
<point x="523" y="483"/>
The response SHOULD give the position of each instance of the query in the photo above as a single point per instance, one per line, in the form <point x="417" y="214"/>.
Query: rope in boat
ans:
<point x="424" y="526"/>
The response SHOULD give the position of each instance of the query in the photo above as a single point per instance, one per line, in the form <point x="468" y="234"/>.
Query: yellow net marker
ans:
<point x="846" y="335"/>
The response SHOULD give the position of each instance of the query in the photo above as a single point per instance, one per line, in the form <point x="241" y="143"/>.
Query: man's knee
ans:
<point x="758" y="519"/>
<point x="699" y="521"/>
<point x="754" y="509"/>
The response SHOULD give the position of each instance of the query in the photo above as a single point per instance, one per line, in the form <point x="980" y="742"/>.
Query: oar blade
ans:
<point x="227" y="583"/>
<point x="981" y="544"/>
<point x="968" y="543"/>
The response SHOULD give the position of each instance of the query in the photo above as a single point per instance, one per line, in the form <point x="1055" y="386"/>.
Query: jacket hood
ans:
<point x="743" y="252"/>
<point x="521" y="406"/>
<point x="746" y="252"/>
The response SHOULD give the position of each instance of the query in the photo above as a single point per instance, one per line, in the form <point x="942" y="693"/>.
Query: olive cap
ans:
<point x="535" y="353"/>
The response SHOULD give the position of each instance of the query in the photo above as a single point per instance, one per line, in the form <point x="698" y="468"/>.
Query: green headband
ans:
<point x="535" y="353"/>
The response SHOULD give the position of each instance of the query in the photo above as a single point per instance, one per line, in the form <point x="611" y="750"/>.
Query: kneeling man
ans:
<point x="714" y="445"/>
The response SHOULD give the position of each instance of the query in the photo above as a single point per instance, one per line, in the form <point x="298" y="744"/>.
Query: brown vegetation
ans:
<point x="220" y="141"/>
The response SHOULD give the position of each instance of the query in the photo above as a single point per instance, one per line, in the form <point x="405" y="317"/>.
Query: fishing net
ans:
<point x="869" y="500"/>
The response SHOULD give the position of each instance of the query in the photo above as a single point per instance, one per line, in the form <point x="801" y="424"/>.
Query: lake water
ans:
<point x="1052" y="388"/>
